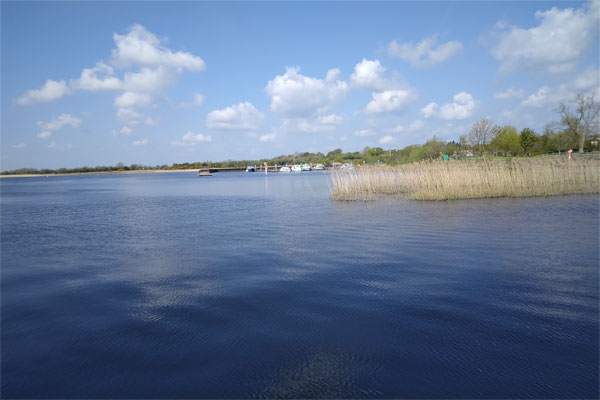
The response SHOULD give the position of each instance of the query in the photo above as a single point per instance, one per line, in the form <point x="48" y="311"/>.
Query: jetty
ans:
<point x="207" y="171"/>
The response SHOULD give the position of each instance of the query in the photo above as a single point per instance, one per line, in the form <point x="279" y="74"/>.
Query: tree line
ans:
<point x="577" y="129"/>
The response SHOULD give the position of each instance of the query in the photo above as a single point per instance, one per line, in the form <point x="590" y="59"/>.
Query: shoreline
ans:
<point x="141" y="171"/>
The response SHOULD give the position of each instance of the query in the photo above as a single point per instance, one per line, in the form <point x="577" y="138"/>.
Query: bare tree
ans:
<point x="580" y="122"/>
<point x="480" y="133"/>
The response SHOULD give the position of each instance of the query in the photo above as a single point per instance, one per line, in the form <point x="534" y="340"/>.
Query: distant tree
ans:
<point x="480" y="134"/>
<point x="375" y="151"/>
<point x="581" y="121"/>
<point x="527" y="139"/>
<point x="507" y="140"/>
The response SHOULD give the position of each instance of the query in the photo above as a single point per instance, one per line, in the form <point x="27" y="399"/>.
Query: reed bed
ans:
<point x="469" y="179"/>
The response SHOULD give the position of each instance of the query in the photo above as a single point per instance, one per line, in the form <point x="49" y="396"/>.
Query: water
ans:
<point x="238" y="285"/>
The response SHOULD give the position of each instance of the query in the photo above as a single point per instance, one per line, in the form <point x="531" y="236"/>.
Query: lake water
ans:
<point x="240" y="285"/>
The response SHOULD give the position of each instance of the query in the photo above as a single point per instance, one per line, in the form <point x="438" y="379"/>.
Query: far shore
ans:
<point x="138" y="171"/>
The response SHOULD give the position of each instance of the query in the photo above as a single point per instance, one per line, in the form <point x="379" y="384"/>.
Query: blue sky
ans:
<point x="96" y="83"/>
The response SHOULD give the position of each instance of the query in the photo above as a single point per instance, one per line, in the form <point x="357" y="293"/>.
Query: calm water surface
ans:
<point x="238" y="285"/>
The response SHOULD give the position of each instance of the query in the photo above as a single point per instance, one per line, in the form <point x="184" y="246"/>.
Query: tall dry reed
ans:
<point x="468" y="179"/>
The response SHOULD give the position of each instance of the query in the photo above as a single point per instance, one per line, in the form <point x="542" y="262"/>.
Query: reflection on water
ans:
<point x="246" y="285"/>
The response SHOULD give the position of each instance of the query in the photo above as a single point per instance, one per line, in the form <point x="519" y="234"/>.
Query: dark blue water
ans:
<point x="237" y="285"/>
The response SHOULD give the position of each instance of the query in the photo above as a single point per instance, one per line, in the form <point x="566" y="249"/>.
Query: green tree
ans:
<point x="527" y="139"/>
<point x="507" y="140"/>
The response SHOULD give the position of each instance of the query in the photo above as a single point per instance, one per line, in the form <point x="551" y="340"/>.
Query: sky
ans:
<point x="97" y="83"/>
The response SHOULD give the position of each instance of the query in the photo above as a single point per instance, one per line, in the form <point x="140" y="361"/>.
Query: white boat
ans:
<point x="319" y="167"/>
<point x="285" y="168"/>
<point x="250" y="168"/>
<point x="306" y="167"/>
<point x="296" y="168"/>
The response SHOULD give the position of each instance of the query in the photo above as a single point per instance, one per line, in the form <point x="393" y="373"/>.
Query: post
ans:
<point x="570" y="151"/>
<point x="266" y="168"/>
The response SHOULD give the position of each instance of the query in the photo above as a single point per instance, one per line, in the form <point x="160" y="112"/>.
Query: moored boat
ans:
<point x="296" y="168"/>
<point x="250" y="168"/>
<point x="285" y="168"/>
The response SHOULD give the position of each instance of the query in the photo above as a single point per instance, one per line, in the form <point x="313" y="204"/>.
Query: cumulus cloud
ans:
<point x="132" y="117"/>
<point x="149" y="68"/>
<point x="330" y="119"/>
<point x="44" y="134"/>
<point x="60" y="121"/>
<point x="368" y="74"/>
<point x="509" y="94"/>
<point x="140" y="143"/>
<point x="52" y="90"/>
<point x="462" y="107"/>
<point x="190" y="140"/>
<point x="553" y="46"/>
<point x="269" y="137"/>
<point x="364" y="132"/>
<point x="294" y="95"/>
<point x="414" y="126"/>
<point x="141" y="47"/>
<point x="132" y="99"/>
<point x="386" y="139"/>
<point x="243" y="116"/>
<point x="546" y="96"/>
<point x="96" y="79"/>
<point x="425" y="53"/>
<point x="588" y="79"/>
<point x="391" y="101"/>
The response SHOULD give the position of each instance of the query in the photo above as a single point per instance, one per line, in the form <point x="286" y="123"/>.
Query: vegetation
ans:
<point x="468" y="179"/>
<point x="577" y="129"/>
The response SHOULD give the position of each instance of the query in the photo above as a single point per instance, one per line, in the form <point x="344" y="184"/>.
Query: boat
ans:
<point x="319" y="167"/>
<point x="306" y="167"/>
<point x="296" y="168"/>
<point x="285" y="168"/>
<point x="250" y="168"/>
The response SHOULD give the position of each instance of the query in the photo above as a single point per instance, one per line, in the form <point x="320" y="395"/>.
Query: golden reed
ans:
<point x="469" y="179"/>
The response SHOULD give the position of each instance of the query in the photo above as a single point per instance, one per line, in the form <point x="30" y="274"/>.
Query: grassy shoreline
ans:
<point x="140" y="171"/>
<point x="469" y="179"/>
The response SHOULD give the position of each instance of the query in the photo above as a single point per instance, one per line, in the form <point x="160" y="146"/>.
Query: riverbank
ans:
<point x="142" y="171"/>
<point x="469" y="179"/>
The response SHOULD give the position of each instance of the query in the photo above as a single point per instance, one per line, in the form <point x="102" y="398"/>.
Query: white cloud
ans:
<point x="368" y="74"/>
<point x="142" y="48"/>
<point x="294" y="95"/>
<point x="414" y="126"/>
<point x="132" y="99"/>
<point x="424" y="53"/>
<point x="386" y="139"/>
<point x="190" y="140"/>
<point x="509" y="94"/>
<point x="243" y="116"/>
<point x="462" y="107"/>
<point x="140" y="143"/>
<point x="553" y="46"/>
<point x="57" y="123"/>
<point x="51" y="90"/>
<point x="125" y="131"/>
<point x="44" y="134"/>
<point x="89" y="79"/>
<point x="198" y="99"/>
<point x="364" y="132"/>
<point x="52" y="145"/>
<point x="148" y="80"/>
<point x="588" y="79"/>
<point x="395" y="101"/>
<point x="18" y="145"/>
<point x="548" y="97"/>
<point x="331" y="119"/>
<point x="269" y="137"/>
<point x="132" y="117"/>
